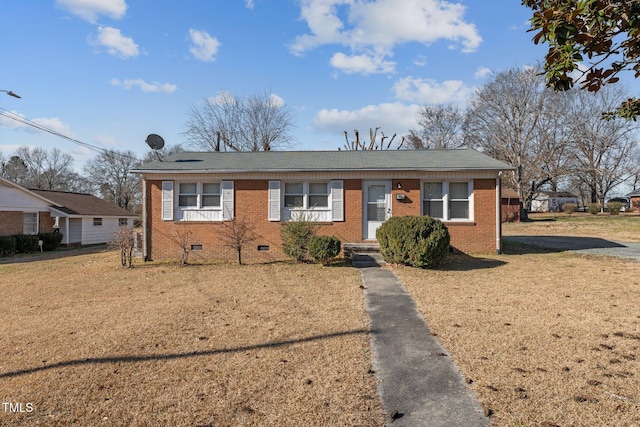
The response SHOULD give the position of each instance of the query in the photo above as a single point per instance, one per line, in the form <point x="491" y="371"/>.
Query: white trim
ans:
<point x="445" y="199"/>
<point x="226" y="193"/>
<point x="274" y="201"/>
<point x="337" y="200"/>
<point x="167" y="201"/>
<point x="365" y="201"/>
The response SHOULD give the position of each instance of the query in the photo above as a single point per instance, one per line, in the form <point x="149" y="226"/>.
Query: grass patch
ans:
<point x="542" y="338"/>
<point x="88" y="343"/>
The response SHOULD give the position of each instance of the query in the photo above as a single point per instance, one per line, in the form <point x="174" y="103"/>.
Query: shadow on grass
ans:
<point x="61" y="252"/>
<point x="453" y="262"/>
<point x="157" y="357"/>
<point x="520" y="245"/>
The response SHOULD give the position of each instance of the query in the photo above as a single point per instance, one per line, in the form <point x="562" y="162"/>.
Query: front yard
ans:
<point x="85" y="342"/>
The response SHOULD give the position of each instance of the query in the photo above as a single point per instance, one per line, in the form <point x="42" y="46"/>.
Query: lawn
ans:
<point x="544" y="339"/>
<point x="83" y="341"/>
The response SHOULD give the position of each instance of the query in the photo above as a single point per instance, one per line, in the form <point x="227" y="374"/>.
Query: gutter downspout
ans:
<point x="144" y="219"/>
<point x="498" y="216"/>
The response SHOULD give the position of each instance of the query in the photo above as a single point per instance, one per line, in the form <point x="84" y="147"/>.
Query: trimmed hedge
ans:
<point x="614" y="208"/>
<point x="7" y="245"/>
<point x="296" y="236"/>
<point x="324" y="248"/>
<point x="50" y="241"/>
<point x="419" y="241"/>
<point x="26" y="243"/>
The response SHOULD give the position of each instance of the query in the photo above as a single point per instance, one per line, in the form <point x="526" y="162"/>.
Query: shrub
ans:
<point x="26" y="243"/>
<point x="7" y="245"/>
<point x="569" y="208"/>
<point x="593" y="208"/>
<point x="324" y="248"/>
<point x="420" y="241"/>
<point x="50" y="241"/>
<point x="635" y="203"/>
<point x="296" y="236"/>
<point x="614" y="208"/>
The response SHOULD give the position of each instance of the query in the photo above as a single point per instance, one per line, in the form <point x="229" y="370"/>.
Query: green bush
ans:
<point x="26" y="243"/>
<point x="324" y="248"/>
<point x="7" y="245"/>
<point x="296" y="236"/>
<point x="594" y="208"/>
<point x="419" y="241"/>
<point x="614" y="208"/>
<point x="569" y="208"/>
<point x="50" y="241"/>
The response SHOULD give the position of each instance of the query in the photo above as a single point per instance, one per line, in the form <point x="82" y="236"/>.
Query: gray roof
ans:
<point x="297" y="161"/>
<point x="82" y="204"/>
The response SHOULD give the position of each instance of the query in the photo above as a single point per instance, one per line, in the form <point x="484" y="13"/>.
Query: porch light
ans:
<point x="10" y="93"/>
<point x="399" y="185"/>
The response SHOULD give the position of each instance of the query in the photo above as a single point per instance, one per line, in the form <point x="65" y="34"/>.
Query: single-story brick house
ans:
<point x="349" y="193"/>
<point x="634" y="200"/>
<point x="81" y="218"/>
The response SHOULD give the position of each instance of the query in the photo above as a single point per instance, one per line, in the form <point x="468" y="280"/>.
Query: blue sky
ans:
<point x="109" y="72"/>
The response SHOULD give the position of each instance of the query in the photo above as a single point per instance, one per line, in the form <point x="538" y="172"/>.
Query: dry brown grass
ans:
<point x="89" y="343"/>
<point x="543" y="337"/>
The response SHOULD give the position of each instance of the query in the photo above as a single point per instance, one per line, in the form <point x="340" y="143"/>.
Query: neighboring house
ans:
<point x="510" y="205"/>
<point x="551" y="201"/>
<point x="348" y="193"/>
<point x="634" y="200"/>
<point x="81" y="218"/>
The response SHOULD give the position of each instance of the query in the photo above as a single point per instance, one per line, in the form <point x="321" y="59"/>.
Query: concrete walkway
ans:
<point x="418" y="382"/>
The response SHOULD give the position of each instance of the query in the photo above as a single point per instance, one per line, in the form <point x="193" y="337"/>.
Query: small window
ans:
<point x="97" y="221"/>
<point x="294" y="194"/>
<point x="210" y="195"/>
<point x="188" y="196"/>
<point x="318" y="195"/>
<point x="123" y="222"/>
<point x="30" y="223"/>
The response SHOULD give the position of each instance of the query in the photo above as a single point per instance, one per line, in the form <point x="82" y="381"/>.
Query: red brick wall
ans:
<point x="46" y="222"/>
<point x="251" y="202"/>
<point x="11" y="223"/>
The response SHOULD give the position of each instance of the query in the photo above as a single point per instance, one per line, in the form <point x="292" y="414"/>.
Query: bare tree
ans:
<point x="46" y="169"/>
<point x="373" y="143"/>
<point x="15" y="169"/>
<point x="155" y="155"/>
<point x="181" y="237"/>
<point x="110" y="173"/>
<point x="440" y="127"/>
<point x="606" y="151"/>
<point x="124" y="241"/>
<point x="236" y="233"/>
<point x="260" y="122"/>
<point x="506" y="120"/>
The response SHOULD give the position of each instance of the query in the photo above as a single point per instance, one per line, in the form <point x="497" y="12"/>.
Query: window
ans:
<point x="210" y="195"/>
<point x="448" y="201"/>
<point x="123" y="222"/>
<point x="294" y="194"/>
<point x="305" y="195"/>
<point x="199" y="195"/>
<point x="97" y="221"/>
<point x="188" y="195"/>
<point x="30" y="223"/>
<point x="318" y="195"/>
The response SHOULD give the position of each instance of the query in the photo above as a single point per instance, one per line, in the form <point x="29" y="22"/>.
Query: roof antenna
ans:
<point x="155" y="142"/>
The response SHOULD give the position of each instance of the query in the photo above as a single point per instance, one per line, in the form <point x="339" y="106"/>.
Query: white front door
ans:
<point x="376" y="208"/>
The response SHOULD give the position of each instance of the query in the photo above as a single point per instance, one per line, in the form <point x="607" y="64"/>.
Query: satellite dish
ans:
<point x="155" y="141"/>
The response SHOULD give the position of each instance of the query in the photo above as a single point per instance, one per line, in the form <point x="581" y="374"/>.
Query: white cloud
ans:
<point x="390" y="117"/>
<point x="249" y="4"/>
<point x="115" y="43"/>
<point x="482" y="72"/>
<point x="144" y="86"/>
<point x="362" y="64"/>
<point x="106" y="140"/>
<point x="54" y="124"/>
<point x="380" y="25"/>
<point x="276" y="100"/>
<point x="90" y="10"/>
<point x="204" y="47"/>
<point x="427" y="91"/>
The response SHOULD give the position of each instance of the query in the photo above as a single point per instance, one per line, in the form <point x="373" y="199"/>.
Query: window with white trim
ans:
<point x="30" y="223"/>
<point x="198" y="195"/>
<point x="306" y="195"/>
<point x="97" y="222"/>
<point x="447" y="200"/>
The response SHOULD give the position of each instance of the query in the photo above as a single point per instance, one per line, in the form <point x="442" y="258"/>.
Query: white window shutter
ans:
<point x="274" y="200"/>
<point x="167" y="200"/>
<point x="337" y="201"/>
<point x="227" y="200"/>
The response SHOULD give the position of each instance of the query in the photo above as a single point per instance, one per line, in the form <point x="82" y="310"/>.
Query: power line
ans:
<point x="13" y="116"/>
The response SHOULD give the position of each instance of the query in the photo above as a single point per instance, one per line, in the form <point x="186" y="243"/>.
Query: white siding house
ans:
<point x="551" y="201"/>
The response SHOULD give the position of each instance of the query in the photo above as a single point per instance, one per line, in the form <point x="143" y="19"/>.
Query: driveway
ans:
<point x="585" y="245"/>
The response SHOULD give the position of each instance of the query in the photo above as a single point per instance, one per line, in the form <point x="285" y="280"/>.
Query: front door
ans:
<point x="377" y="207"/>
